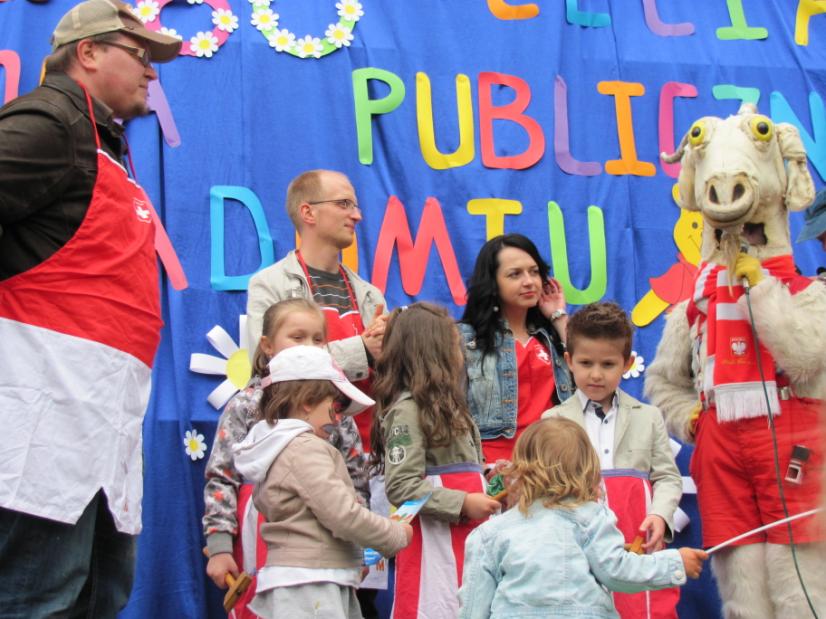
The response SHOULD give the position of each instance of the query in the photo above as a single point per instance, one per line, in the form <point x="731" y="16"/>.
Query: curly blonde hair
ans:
<point x="553" y="460"/>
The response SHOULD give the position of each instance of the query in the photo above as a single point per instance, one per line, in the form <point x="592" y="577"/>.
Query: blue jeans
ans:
<point x="52" y="569"/>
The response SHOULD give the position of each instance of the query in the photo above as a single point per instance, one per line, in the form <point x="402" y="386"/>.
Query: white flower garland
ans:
<point x="204" y="44"/>
<point x="336" y="36"/>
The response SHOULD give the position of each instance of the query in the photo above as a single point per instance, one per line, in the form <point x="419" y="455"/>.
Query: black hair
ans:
<point x="483" y="293"/>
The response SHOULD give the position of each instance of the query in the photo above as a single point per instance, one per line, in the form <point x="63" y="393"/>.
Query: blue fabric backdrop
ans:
<point x="250" y="117"/>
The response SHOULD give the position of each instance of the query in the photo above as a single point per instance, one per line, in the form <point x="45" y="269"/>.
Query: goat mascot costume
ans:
<point x="744" y="174"/>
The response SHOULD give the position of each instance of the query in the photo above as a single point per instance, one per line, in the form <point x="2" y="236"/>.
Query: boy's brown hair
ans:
<point x="601" y="321"/>
<point x="554" y="460"/>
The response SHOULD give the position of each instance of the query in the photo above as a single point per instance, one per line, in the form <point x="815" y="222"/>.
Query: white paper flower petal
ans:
<point x="243" y="336"/>
<point x="221" y="341"/>
<point x="207" y="364"/>
<point x="221" y="394"/>
<point x="675" y="446"/>
<point x="681" y="520"/>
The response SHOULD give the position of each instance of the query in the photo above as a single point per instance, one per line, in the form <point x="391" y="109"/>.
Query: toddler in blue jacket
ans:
<point x="559" y="552"/>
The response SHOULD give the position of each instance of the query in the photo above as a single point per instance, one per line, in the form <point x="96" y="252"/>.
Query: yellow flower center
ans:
<point x="239" y="368"/>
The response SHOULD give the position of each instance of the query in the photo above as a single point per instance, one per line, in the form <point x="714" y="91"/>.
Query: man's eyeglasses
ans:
<point x="140" y="53"/>
<point x="345" y="204"/>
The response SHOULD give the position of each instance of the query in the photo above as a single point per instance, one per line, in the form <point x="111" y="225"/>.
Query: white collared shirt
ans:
<point x="600" y="431"/>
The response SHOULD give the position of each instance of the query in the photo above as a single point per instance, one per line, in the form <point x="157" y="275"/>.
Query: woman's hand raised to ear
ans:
<point x="552" y="304"/>
<point x="552" y="298"/>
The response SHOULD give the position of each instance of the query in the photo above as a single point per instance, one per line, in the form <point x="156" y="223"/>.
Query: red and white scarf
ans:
<point x="731" y="373"/>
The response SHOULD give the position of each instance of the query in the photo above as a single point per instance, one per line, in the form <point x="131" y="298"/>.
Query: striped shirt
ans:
<point x="330" y="290"/>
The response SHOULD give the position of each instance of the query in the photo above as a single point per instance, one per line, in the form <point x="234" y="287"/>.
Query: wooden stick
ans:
<point x="500" y="496"/>
<point x="636" y="545"/>
<point x="235" y="586"/>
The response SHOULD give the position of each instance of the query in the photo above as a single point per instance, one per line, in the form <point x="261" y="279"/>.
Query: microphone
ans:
<point x="744" y="249"/>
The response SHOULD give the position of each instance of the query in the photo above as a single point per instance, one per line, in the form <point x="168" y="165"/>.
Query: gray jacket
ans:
<point x="285" y="280"/>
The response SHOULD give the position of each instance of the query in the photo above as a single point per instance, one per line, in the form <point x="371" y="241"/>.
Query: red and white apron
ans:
<point x="249" y="550"/>
<point x="429" y="570"/>
<point x="628" y="495"/>
<point x="339" y="327"/>
<point x="79" y="333"/>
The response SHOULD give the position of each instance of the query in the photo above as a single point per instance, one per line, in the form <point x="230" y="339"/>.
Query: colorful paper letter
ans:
<point x="585" y="18"/>
<point x="562" y="130"/>
<point x="465" y="152"/>
<point x="781" y="111"/>
<point x="366" y="107"/>
<point x="217" y="196"/>
<point x="628" y="162"/>
<point x="413" y="255"/>
<point x="669" y="92"/>
<point x="11" y="63"/>
<point x="559" y="255"/>
<point x="805" y="10"/>
<point x="158" y="103"/>
<point x="512" y="111"/>
<point x="738" y="93"/>
<point x="739" y="29"/>
<point x="494" y="210"/>
<point x="657" y="26"/>
<point x="503" y="10"/>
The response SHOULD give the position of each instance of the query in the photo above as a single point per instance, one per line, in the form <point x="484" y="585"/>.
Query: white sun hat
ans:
<point x="314" y="363"/>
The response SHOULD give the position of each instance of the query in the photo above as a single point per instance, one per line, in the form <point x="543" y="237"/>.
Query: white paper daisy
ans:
<point x="264" y="19"/>
<point x="204" y="44"/>
<point x="171" y="32"/>
<point x="194" y="444"/>
<point x="282" y="40"/>
<point x="351" y="10"/>
<point x="339" y="35"/>
<point x="308" y="46"/>
<point x="637" y="367"/>
<point x="224" y="20"/>
<point x="235" y="364"/>
<point x="147" y="10"/>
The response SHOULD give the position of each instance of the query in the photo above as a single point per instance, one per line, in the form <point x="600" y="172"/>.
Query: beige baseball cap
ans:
<point x="93" y="17"/>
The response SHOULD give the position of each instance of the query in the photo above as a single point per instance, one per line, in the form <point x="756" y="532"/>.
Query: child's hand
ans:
<point x="654" y="526"/>
<point x="693" y="561"/>
<point x="408" y="532"/>
<point x="219" y="566"/>
<point x="478" y="506"/>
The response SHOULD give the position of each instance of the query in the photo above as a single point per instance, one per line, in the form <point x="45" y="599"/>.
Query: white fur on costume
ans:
<point x="733" y="177"/>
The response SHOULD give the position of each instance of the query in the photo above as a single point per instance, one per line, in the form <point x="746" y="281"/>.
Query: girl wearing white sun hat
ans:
<point x="315" y="527"/>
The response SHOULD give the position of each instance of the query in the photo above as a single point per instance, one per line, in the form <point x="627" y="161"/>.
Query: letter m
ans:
<point x="413" y="256"/>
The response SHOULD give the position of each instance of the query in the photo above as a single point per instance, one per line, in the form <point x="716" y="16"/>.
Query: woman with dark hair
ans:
<point x="513" y="329"/>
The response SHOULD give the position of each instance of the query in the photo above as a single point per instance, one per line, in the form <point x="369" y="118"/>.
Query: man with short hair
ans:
<point x="79" y="320"/>
<point x="322" y="205"/>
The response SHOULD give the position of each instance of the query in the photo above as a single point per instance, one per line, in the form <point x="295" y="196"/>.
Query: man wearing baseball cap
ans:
<point x="79" y="320"/>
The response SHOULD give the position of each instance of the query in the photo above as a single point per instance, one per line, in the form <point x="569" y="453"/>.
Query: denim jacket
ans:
<point x="492" y="381"/>
<point x="556" y="562"/>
